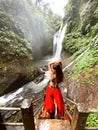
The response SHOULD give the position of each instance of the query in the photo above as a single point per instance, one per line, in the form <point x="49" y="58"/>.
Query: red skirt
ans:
<point x="49" y="105"/>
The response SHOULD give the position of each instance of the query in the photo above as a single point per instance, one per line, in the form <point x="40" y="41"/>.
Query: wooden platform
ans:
<point x="52" y="124"/>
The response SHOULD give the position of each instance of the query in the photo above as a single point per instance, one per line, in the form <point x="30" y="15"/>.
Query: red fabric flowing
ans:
<point x="51" y="95"/>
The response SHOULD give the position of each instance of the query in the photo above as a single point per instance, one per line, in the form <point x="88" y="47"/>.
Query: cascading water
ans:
<point x="57" y="42"/>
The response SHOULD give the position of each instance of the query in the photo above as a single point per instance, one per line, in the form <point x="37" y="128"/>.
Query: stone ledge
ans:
<point x="52" y="124"/>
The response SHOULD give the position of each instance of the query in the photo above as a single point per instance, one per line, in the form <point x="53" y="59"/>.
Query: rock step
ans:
<point x="52" y="124"/>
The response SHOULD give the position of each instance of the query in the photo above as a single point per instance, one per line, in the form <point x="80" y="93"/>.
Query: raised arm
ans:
<point x="59" y="62"/>
<point x="50" y="65"/>
<point x="54" y="62"/>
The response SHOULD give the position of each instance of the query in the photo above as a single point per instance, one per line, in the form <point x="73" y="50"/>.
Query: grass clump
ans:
<point x="92" y="120"/>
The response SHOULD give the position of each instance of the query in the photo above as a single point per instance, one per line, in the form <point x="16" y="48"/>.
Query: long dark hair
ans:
<point x="59" y="73"/>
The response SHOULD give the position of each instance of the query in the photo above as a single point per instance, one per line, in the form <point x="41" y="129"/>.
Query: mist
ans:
<point x="27" y="17"/>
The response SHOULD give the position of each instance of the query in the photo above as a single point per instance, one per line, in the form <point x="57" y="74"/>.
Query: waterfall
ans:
<point x="57" y="42"/>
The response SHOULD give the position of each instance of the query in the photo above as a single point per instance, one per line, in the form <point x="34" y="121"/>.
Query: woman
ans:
<point x="53" y="93"/>
<point x="56" y="73"/>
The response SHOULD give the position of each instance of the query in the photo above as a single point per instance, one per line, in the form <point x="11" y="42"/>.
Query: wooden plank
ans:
<point x="27" y="115"/>
<point x="11" y="124"/>
<point x="37" y="99"/>
<point x="78" y="120"/>
<point x="10" y="108"/>
<point x="2" y="127"/>
<point x="91" y="128"/>
<point x="93" y="111"/>
<point x="71" y="101"/>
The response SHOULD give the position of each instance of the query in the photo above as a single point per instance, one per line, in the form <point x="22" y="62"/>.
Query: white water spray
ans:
<point x="16" y="95"/>
<point x="57" y="42"/>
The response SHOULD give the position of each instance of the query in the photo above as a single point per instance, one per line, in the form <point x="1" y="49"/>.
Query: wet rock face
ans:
<point x="11" y="81"/>
<point x="15" y="75"/>
<point x="15" y="61"/>
<point x="15" y="55"/>
<point x="83" y="93"/>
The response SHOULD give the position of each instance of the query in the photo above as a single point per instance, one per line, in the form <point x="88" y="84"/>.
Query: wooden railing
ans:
<point x="27" y="115"/>
<point x="8" y="123"/>
<point x="78" y="117"/>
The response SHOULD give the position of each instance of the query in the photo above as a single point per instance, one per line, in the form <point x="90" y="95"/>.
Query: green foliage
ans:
<point x="93" y="30"/>
<point x="6" y="36"/>
<point x="74" y="42"/>
<point x="92" y="120"/>
<point x="13" y="44"/>
<point x="67" y="10"/>
<point x="88" y="60"/>
<point x="77" y="53"/>
<point x="96" y="13"/>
